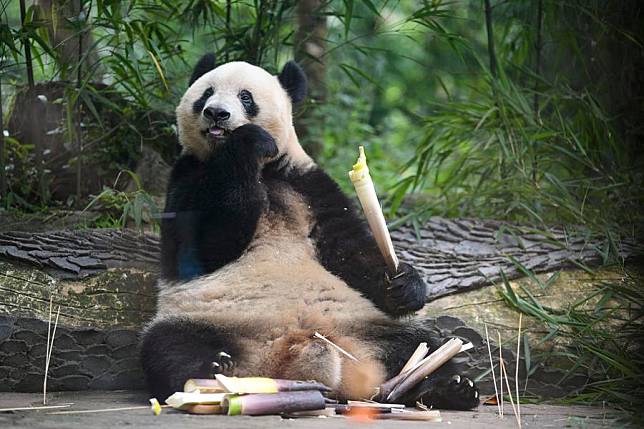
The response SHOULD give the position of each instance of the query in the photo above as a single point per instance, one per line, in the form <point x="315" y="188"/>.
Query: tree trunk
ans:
<point x="310" y="46"/>
<point x="72" y="47"/>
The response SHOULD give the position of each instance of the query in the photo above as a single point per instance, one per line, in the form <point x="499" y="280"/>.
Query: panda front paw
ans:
<point x="405" y="291"/>
<point x="256" y="139"/>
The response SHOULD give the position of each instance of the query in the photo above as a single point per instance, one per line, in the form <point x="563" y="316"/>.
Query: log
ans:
<point x="452" y="255"/>
<point x="104" y="282"/>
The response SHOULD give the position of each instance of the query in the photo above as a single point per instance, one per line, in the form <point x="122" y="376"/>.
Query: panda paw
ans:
<point x="257" y="139"/>
<point x="223" y="364"/>
<point x="453" y="393"/>
<point x="405" y="291"/>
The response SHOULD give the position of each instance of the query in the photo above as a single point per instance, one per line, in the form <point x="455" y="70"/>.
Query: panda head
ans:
<point x="225" y="97"/>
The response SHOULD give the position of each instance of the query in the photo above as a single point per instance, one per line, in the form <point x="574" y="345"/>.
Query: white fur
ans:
<point x="227" y="80"/>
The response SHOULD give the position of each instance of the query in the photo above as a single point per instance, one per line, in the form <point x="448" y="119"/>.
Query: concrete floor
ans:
<point x="533" y="416"/>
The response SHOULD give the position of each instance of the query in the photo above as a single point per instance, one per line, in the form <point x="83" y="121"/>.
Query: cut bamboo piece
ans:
<point x="273" y="403"/>
<point x="388" y="386"/>
<point x="379" y="405"/>
<point x="418" y="355"/>
<point x="203" y="385"/>
<point x="181" y="399"/>
<point x="425" y="367"/>
<point x="366" y="191"/>
<point x="426" y="416"/>
<point x="243" y="385"/>
<point x="203" y="409"/>
<point x="155" y="407"/>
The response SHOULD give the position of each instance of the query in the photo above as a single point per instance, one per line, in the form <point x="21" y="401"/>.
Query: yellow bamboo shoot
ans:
<point x="366" y="191"/>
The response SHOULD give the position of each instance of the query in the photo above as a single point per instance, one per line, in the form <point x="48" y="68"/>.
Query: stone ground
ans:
<point x="533" y="416"/>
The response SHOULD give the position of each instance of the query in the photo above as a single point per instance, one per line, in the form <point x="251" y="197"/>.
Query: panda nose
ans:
<point x="216" y="114"/>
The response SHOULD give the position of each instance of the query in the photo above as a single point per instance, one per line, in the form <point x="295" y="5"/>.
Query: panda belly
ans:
<point x="274" y="298"/>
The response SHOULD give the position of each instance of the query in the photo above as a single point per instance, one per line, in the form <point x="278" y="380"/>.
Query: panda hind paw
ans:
<point x="223" y="364"/>
<point x="454" y="393"/>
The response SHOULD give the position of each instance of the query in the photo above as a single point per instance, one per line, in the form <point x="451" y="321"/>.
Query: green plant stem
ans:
<point x="3" y="173"/>
<point x="25" y="39"/>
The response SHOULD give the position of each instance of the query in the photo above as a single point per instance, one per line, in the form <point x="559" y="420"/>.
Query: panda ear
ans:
<point x="293" y="80"/>
<point x="204" y="65"/>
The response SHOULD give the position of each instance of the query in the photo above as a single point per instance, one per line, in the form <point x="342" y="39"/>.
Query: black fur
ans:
<point x="346" y="247"/>
<point x="204" y="65"/>
<point x="212" y="207"/>
<point x="293" y="80"/>
<point x="250" y="107"/>
<point x="174" y="350"/>
<point x="200" y="103"/>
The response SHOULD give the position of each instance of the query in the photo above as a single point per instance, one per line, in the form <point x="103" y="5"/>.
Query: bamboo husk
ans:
<point x="373" y="212"/>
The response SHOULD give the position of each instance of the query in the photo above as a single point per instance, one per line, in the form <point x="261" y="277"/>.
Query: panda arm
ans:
<point x="177" y="236"/>
<point x="213" y="206"/>
<point x="346" y="247"/>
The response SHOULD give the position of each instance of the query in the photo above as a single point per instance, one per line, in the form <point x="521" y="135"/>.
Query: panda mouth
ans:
<point x="215" y="132"/>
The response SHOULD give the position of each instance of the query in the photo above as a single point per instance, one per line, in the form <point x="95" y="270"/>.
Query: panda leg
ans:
<point x="174" y="350"/>
<point x="444" y="388"/>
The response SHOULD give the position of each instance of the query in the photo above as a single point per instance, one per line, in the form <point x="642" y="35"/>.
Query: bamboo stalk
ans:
<point x="44" y="384"/>
<point x="3" y="173"/>
<point x="50" y="349"/>
<point x="489" y="351"/>
<point x="507" y="384"/>
<point x="106" y="410"/>
<point x="500" y="372"/>
<point x="516" y="374"/>
<point x="47" y="407"/>
<point x="340" y="349"/>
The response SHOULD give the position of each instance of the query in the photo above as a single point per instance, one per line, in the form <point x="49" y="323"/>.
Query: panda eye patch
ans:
<point x="200" y="103"/>
<point x="247" y="101"/>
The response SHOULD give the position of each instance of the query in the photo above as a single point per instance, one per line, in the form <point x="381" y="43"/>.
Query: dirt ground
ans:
<point x="533" y="416"/>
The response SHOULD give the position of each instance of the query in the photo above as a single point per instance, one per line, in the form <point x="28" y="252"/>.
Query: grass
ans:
<point x="603" y="332"/>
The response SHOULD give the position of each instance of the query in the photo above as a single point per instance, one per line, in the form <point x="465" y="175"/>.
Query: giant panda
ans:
<point x="260" y="249"/>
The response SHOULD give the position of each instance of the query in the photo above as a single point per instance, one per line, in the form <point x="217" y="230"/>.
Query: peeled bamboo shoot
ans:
<point x="369" y="201"/>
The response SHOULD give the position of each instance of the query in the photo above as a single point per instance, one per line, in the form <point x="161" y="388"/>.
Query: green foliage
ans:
<point x="119" y="208"/>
